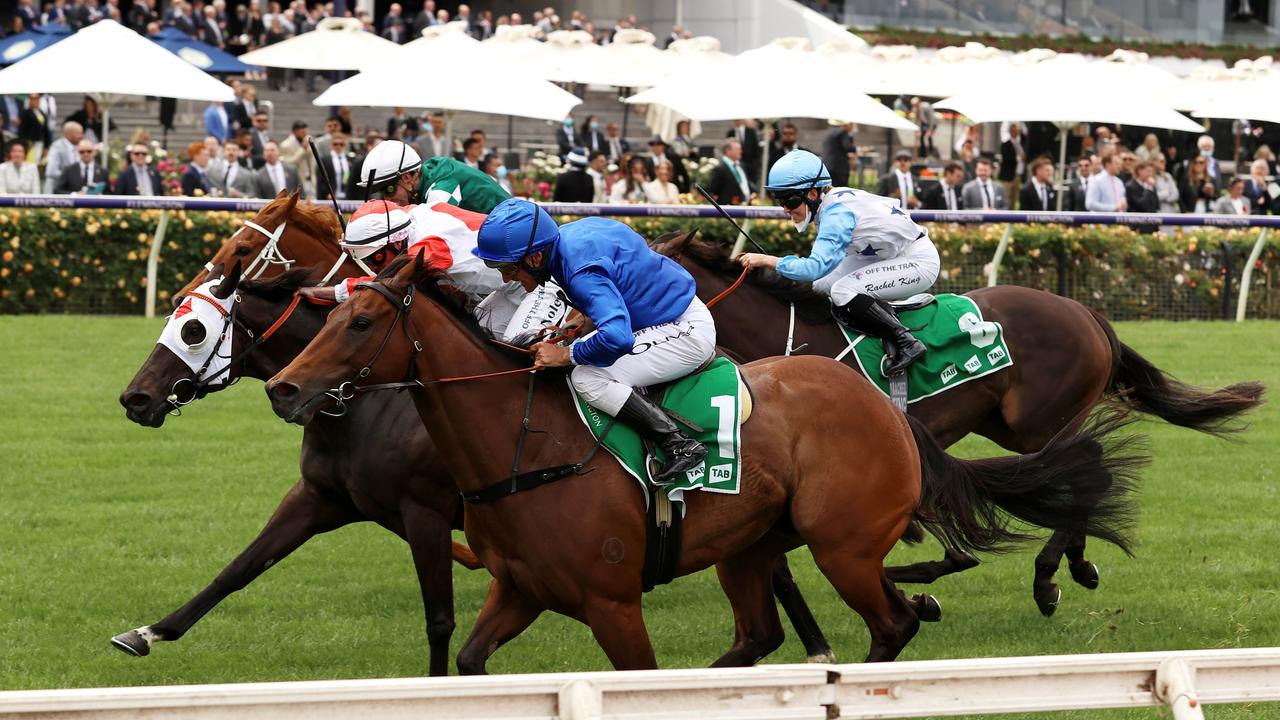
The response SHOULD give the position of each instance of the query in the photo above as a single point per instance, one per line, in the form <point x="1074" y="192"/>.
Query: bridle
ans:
<point x="199" y="385"/>
<point x="271" y="255"/>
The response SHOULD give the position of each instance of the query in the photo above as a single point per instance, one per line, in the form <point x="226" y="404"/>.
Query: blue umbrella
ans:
<point x="206" y="57"/>
<point x="20" y="46"/>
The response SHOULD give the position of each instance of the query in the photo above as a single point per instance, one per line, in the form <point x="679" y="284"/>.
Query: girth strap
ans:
<point x="524" y="481"/>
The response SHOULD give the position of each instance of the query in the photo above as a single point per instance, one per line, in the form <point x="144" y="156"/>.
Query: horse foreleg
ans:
<point x="302" y="514"/>
<point x="429" y="540"/>
<point x="505" y="614"/>
<point x="618" y="626"/>
<point x="816" y="647"/>
<point x="953" y="561"/>
<point x="745" y="579"/>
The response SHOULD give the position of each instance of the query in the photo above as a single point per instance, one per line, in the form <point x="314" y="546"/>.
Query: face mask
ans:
<point x="800" y="226"/>
<point x="595" y="126"/>
<point x="501" y="171"/>
<point x="568" y="122"/>
<point x="1206" y="153"/>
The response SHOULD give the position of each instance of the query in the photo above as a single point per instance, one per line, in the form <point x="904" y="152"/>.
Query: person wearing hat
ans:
<point x="295" y="152"/>
<point x="575" y="185"/>
<point x="393" y="171"/>
<point x="899" y="183"/>
<point x="138" y="177"/>
<point x="868" y="252"/>
<point x="658" y="150"/>
<point x="650" y="325"/>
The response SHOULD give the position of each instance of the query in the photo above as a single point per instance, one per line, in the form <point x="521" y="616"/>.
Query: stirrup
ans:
<point x="680" y="463"/>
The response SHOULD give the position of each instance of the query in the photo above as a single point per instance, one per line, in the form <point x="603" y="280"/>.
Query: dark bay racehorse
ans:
<point x="1066" y="358"/>
<point x="376" y="463"/>
<point x="828" y="462"/>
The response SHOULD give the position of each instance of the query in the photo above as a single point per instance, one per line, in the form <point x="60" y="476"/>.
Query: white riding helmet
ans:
<point x="387" y="161"/>
<point x="375" y="225"/>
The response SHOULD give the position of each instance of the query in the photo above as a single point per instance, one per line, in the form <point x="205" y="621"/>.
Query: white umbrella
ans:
<point x="335" y="44"/>
<point x="106" y="60"/>
<point x="1247" y="91"/>
<point x="1066" y="90"/>
<point x="630" y="61"/>
<point x="568" y="56"/>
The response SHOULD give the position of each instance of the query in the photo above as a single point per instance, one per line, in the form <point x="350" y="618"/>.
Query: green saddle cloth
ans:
<point x="962" y="347"/>
<point x="710" y="399"/>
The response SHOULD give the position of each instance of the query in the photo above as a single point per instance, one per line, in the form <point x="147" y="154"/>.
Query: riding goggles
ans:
<point x="790" y="199"/>
<point x="506" y="267"/>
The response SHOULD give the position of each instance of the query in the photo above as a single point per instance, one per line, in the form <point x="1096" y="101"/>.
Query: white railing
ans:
<point x="1182" y="681"/>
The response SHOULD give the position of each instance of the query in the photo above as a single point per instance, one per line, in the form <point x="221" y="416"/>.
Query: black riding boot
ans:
<point x="683" y="452"/>
<point x="864" y="314"/>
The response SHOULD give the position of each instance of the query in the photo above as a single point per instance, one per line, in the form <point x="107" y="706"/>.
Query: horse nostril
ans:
<point x="284" y="390"/>
<point x="135" y="400"/>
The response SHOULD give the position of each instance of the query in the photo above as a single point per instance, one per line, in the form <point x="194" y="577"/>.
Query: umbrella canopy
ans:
<point x="631" y="60"/>
<point x="896" y="70"/>
<point x="124" y="63"/>
<point x="17" y="47"/>
<point x="750" y="86"/>
<point x="205" y="57"/>
<point x="335" y="44"/>
<point x="1072" y="89"/>
<point x="1247" y="91"/>
<point x="570" y="56"/>
<point x="489" y="84"/>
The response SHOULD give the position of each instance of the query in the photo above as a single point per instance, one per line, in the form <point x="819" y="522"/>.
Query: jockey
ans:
<point x="445" y="235"/>
<point x="868" y="252"/>
<point x="650" y="326"/>
<point x="393" y="170"/>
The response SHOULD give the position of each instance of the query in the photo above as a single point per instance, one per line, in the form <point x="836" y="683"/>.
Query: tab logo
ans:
<point x="695" y="475"/>
<point x="722" y="473"/>
<point x="995" y="355"/>
<point x="948" y="374"/>
<point x="973" y="364"/>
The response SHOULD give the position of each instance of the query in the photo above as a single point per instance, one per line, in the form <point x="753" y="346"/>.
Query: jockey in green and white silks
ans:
<point x="394" y="171"/>
<point x="868" y="251"/>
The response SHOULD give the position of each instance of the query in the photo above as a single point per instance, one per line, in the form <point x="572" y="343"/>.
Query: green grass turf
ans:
<point x="106" y="526"/>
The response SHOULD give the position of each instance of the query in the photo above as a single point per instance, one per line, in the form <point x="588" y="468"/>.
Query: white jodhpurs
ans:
<point x="661" y="353"/>
<point x="511" y="313"/>
<point x="898" y="278"/>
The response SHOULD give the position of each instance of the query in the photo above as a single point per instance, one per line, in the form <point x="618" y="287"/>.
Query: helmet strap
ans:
<point x="541" y="272"/>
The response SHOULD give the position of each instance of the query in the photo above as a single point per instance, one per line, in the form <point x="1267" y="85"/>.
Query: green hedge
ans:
<point x="94" y="261"/>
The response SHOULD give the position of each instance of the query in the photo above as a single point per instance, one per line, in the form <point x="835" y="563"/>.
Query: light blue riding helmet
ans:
<point x="797" y="170"/>
<point x="514" y="230"/>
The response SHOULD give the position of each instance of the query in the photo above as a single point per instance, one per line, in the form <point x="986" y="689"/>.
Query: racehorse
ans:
<point x="827" y="461"/>
<point x="1067" y="357"/>
<point x="376" y="464"/>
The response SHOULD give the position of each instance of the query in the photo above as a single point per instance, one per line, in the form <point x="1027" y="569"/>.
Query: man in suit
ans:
<point x="981" y="193"/>
<point x="1205" y="145"/>
<point x="1013" y="160"/>
<point x="402" y="126"/>
<point x="395" y="32"/>
<point x="216" y="122"/>
<point x="1079" y="185"/>
<point x="839" y="153"/>
<point x="945" y="195"/>
<point x="575" y="185"/>
<point x="615" y="146"/>
<point x="343" y="168"/>
<point x="1106" y="191"/>
<point x="1140" y="192"/>
<point x="274" y="175"/>
<point x="245" y="108"/>
<point x="566" y="138"/>
<point x="260" y="138"/>
<point x="210" y="31"/>
<point x="82" y="175"/>
<point x="138" y="178"/>
<point x="232" y="177"/>
<point x="62" y="153"/>
<point x="195" y="180"/>
<point x="183" y="21"/>
<point x="729" y="183"/>
<point x="1255" y="187"/>
<point x="658" y="149"/>
<point x="744" y="131"/>
<point x="424" y="19"/>
<point x="899" y="182"/>
<point x="593" y="139"/>
<point x="1038" y="193"/>
<point x="295" y="152"/>
<point x="435" y="143"/>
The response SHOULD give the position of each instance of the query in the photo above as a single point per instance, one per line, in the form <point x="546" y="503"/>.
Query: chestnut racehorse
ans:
<point x="827" y="462"/>
<point x="1066" y="358"/>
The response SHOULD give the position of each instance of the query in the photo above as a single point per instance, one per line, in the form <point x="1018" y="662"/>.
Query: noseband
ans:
<point x="348" y="390"/>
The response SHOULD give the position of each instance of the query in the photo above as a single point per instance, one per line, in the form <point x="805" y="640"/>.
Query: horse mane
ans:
<point x="811" y="305"/>
<point x="318" y="220"/>
<point x="280" y="287"/>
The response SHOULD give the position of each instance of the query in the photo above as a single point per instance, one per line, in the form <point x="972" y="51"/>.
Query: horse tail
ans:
<point x="1155" y="392"/>
<point x="464" y="557"/>
<point x="1080" y="482"/>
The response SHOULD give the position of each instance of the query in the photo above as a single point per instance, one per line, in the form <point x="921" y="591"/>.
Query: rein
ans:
<point x="712" y="302"/>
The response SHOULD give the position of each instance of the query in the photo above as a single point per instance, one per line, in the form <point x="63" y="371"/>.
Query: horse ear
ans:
<point x="293" y="200"/>
<point x="673" y="243"/>
<point x="229" y="283"/>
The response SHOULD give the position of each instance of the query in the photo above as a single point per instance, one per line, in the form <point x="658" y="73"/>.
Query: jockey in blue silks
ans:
<point x="868" y="251"/>
<point x="650" y="326"/>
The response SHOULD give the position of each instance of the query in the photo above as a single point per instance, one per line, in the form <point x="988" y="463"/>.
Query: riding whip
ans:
<point x="707" y="195"/>
<point x="328" y="184"/>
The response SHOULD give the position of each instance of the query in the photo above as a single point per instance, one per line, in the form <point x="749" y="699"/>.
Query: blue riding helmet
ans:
<point x="798" y="170"/>
<point x="514" y="230"/>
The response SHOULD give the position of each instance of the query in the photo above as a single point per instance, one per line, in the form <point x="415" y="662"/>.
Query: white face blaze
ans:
<point x="193" y="331"/>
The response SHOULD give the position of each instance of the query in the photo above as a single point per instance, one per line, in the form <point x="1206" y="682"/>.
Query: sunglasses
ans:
<point x="506" y="267"/>
<point x="790" y="200"/>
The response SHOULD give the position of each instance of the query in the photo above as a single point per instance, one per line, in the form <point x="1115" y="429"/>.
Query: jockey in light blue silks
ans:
<point x="868" y="251"/>
<point x="650" y="326"/>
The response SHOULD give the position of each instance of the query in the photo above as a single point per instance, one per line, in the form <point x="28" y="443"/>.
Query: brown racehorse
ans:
<point x="828" y="462"/>
<point x="376" y="463"/>
<point x="1066" y="358"/>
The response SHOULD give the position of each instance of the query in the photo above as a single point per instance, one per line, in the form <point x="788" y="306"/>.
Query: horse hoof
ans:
<point x="1048" y="602"/>
<point x="927" y="608"/>
<point x="132" y="643"/>
<point x="1085" y="574"/>
<point x="827" y="658"/>
<point x="967" y="560"/>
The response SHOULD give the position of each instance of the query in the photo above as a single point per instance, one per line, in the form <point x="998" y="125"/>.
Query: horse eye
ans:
<point x="193" y="332"/>
<point x="242" y="250"/>
<point x="361" y="323"/>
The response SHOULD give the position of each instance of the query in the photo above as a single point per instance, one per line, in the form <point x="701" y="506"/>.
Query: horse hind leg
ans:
<point x="863" y="586"/>
<point x="953" y="561"/>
